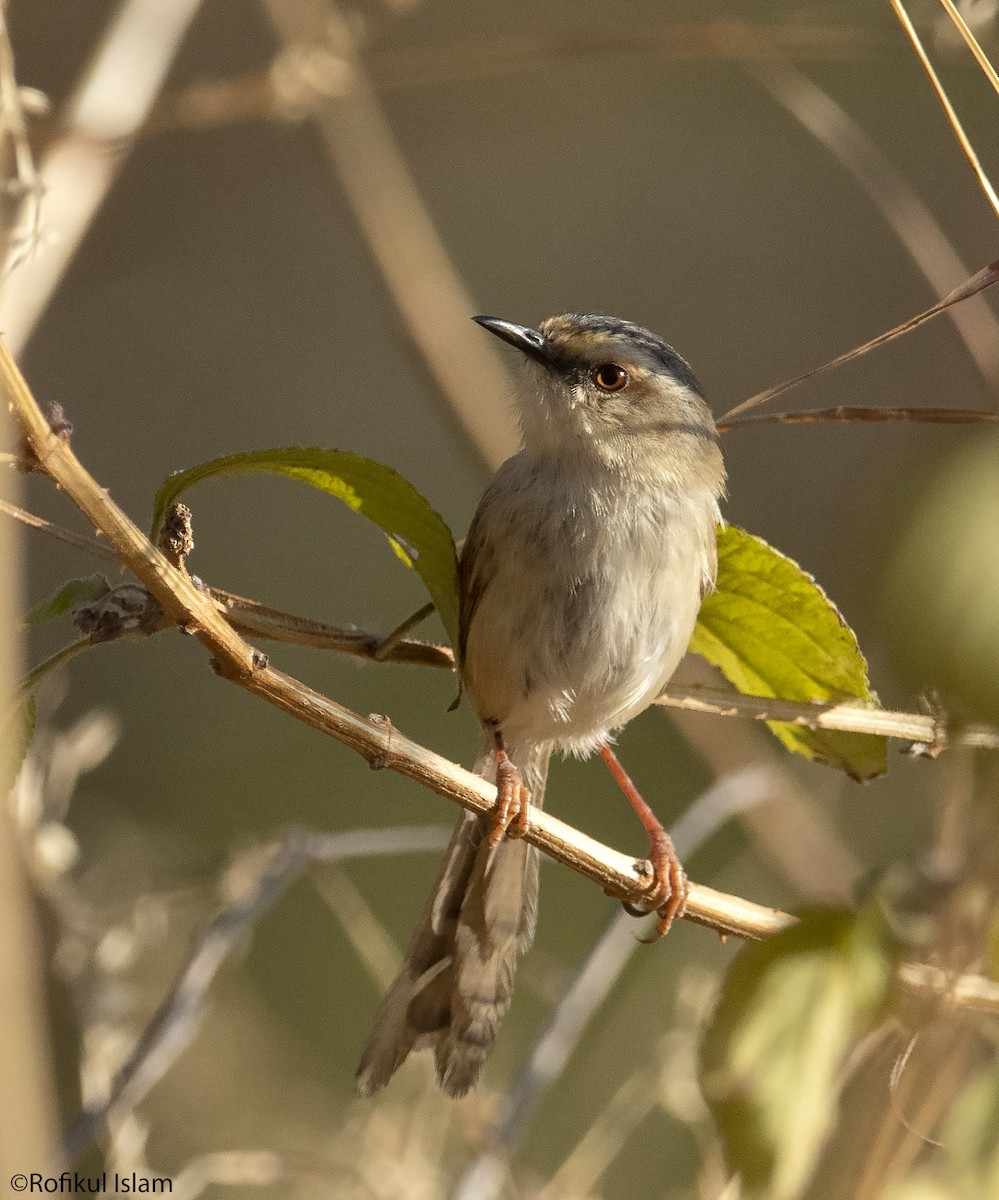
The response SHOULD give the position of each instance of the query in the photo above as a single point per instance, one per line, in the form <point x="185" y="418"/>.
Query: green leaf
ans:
<point x="772" y="631"/>
<point x="792" y="1009"/>
<point x="966" y="1162"/>
<point x="71" y="595"/>
<point x="971" y="1133"/>
<point x="920" y="1186"/>
<point x="417" y="534"/>
<point x="17" y="728"/>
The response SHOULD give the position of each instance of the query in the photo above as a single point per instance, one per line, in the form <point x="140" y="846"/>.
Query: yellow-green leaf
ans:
<point x="792" y="1009"/>
<point x="417" y="534"/>
<point x="17" y="728"/>
<point x="772" y="631"/>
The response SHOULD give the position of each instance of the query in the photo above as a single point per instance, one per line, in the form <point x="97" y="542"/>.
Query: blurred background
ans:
<point x="266" y="223"/>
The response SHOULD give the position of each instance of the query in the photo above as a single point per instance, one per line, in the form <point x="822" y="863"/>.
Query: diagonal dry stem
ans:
<point x="374" y="738"/>
<point x="912" y="222"/>
<point x="972" y="43"/>
<point x="978" y="282"/>
<point x="844" y="413"/>
<point x="952" y="117"/>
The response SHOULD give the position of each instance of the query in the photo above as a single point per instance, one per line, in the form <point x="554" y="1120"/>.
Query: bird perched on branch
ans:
<point x="580" y="582"/>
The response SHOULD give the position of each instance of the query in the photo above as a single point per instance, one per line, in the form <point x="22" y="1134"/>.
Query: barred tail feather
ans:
<point x="456" y="979"/>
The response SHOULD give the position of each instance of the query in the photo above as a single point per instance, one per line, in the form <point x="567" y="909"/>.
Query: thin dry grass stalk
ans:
<point x="955" y="122"/>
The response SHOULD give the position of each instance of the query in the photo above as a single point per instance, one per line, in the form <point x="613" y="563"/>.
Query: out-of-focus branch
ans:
<point x="592" y="982"/>
<point x="101" y="120"/>
<point x="20" y="186"/>
<point x="176" y="1021"/>
<point x="322" y="61"/>
<point x="391" y="68"/>
<point x="28" y="1102"/>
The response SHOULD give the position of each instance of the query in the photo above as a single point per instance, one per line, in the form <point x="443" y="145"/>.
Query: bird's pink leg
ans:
<point x="667" y="893"/>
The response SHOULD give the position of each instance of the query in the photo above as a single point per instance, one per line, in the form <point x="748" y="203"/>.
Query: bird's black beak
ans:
<point x="524" y="338"/>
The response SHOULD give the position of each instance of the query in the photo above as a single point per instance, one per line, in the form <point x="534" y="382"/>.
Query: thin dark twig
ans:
<point x="79" y="540"/>
<point x="844" y="412"/>
<point x="971" y="287"/>
<point x="389" y="643"/>
<point x="258" y="620"/>
<point x="176" y="1021"/>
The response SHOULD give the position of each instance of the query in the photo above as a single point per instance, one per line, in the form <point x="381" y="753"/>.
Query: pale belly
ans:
<point x="578" y="632"/>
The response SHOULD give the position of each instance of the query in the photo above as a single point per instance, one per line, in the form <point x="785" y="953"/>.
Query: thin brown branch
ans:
<point x="374" y="738"/>
<point x="923" y="729"/>
<point x="398" y="634"/>
<point x="59" y="659"/>
<point x="257" y="620"/>
<point x="971" y="287"/>
<point x="78" y="540"/>
<point x="846" y="413"/>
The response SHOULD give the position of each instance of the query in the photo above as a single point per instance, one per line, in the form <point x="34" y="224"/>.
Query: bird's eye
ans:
<point x="609" y="377"/>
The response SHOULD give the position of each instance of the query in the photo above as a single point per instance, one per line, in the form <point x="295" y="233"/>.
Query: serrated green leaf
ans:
<point x="417" y="534"/>
<point x="772" y="631"/>
<point x="791" y="1010"/>
<point x="71" y="595"/>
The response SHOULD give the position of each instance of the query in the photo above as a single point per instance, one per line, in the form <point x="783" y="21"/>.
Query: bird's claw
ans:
<point x="667" y="890"/>
<point x="509" y="816"/>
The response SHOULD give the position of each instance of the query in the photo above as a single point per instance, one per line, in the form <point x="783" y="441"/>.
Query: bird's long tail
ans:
<point x="456" y="978"/>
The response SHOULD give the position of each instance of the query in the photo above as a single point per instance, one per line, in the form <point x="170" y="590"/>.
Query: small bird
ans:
<point x="580" y="582"/>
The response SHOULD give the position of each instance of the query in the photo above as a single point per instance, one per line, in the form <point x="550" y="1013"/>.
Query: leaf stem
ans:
<point x="65" y="655"/>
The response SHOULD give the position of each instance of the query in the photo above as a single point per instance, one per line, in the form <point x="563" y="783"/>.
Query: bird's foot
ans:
<point x="667" y="893"/>
<point x="667" y="890"/>
<point x="509" y="816"/>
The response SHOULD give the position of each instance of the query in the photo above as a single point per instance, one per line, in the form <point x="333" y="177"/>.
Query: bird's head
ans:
<point x="599" y="386"/>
